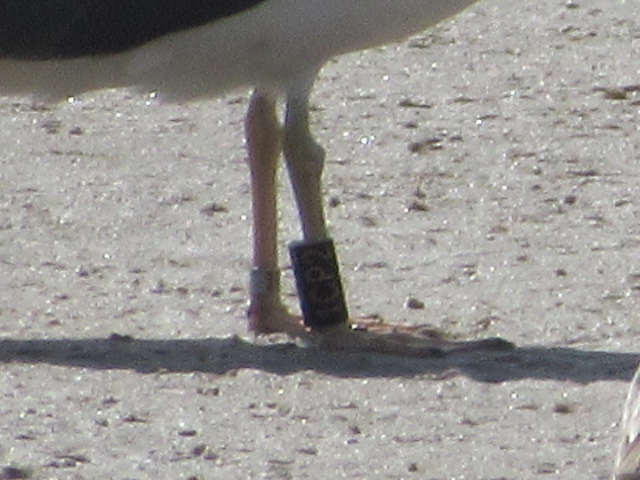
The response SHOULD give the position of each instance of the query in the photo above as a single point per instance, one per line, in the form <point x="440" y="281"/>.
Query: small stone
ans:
<point x="414" y="304"/>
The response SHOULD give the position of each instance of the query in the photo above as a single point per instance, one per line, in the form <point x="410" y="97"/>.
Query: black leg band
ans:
<point x="315" y="267"/>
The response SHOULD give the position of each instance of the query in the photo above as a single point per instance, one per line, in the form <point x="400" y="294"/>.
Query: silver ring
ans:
<point x="263" y="282"/>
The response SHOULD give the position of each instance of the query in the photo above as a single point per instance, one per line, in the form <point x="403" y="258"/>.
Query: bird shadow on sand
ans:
<point x="225" y="355"/>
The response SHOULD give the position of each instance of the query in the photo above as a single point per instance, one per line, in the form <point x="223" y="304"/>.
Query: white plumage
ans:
<point x="275" y="46"/>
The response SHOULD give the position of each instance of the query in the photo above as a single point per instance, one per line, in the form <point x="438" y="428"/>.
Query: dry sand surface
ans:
<point x="487" y="169"/>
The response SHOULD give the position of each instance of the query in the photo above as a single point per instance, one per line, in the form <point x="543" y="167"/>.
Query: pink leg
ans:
<point x="305" y="160"/>
<point x="266" y="312"/>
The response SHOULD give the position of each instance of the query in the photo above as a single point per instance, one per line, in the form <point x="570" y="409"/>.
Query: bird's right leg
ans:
<point x="267" y="314"/>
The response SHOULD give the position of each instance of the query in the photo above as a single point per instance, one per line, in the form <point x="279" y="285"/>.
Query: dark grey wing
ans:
<point x="48" y="29"/>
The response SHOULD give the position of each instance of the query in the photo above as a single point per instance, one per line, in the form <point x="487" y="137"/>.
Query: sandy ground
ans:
<point x="488" y="169"/>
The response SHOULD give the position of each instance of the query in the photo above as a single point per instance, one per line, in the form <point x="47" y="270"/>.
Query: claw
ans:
<point x="401" y="341"/>
<point x="266" y="318"/>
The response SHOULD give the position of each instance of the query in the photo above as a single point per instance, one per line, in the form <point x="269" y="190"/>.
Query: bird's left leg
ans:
<point x="267" y="314"/>
<point x="314" y="260"/>
<point x="315" y="263"/>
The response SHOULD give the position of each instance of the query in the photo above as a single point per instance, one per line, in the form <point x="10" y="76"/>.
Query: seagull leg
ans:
<point x="305" y="162"/>
<point x="266" y="313"/>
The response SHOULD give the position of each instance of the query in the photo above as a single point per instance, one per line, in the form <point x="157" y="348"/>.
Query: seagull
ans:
<point x="186" y="50"/>
<point x="627" y="462"/>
